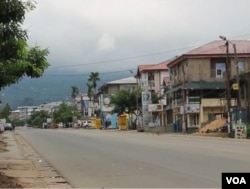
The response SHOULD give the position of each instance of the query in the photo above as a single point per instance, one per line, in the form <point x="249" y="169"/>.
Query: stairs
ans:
<point x="214" y="125"/>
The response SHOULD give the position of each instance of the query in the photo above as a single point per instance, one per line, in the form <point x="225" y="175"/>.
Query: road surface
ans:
<point x="99" y="158"/>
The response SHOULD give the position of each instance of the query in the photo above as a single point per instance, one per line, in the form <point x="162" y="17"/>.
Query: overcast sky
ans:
<point x="119" y="35"/>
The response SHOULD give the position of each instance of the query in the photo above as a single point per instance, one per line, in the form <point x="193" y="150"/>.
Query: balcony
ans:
<point x="151" y="83"/>
<point x="215" y="102"/>
<point x="194" y="100"/>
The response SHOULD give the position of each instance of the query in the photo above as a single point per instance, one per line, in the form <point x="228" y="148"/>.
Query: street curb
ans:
<point x="30" y="170"/>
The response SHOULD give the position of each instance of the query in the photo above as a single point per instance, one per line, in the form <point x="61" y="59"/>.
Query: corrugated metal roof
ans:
<point x="151" y="67"/>
<point x="215" y="49"/>
<point x="218" y="47"/>
<point x="128" y="80"/>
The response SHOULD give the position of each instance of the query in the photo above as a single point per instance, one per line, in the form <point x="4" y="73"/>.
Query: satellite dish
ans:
<point x="106" y="100"/>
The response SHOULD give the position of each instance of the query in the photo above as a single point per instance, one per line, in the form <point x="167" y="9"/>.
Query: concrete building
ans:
<point x="201" y="82"/>
<point x="109" y="88"/>
<point x="154" y="78"/>
<point x="26" y="111"/>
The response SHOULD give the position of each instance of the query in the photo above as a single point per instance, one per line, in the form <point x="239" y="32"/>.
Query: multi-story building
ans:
<point x="84" y="105"/>
<point x="14" y="115"/>
<point x="26" y="111"/>
<point x="202" y="80"/>
<point x="50" y="107"/>
<point x="109" y="88"/>
<point x="154" y="78"/>
<point x="115" y="86"/>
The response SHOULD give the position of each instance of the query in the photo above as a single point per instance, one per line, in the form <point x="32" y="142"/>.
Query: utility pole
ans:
<point x="82" y="106"/>
<point x="238" y="81"/>
<point x="237" y="75"/>
<point x="184" y="117"/>
<point x="228" y="72"/>
<point x="229" y="91"/>
<point x="137" y="88"/>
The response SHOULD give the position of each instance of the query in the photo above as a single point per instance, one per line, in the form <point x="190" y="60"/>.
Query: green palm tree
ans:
<point x="90" y="91"/>
<point x="74" y="92"/>
<point x="94" y="77"/>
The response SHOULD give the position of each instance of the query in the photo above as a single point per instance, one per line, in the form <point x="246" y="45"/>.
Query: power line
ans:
<point x="77" y="75"/>
<point x="121" y="59"/>
<point x="128" y="58"/>
<point x="133" y="57"/>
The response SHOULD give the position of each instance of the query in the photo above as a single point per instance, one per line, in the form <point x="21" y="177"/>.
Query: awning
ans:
<point x="198" y="85"/>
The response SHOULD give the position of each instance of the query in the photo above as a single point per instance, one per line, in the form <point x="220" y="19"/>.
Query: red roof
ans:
<point x="152" y="67"/>
<point x="215" y="49"/>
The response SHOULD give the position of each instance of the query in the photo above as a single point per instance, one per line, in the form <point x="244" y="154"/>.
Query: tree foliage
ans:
<point x="90" y="92"/>
<point x="155" y="98"/>
<point x="130" y="101"/>
<point x="74" y="92"/>
<point x="37" y="118"/>
<point x="64" y="114"/>
<point x="93" y="78"/>
<point x="5" y="112"/>
<point x="17" y="59"/>
<point x="125" y="101"/>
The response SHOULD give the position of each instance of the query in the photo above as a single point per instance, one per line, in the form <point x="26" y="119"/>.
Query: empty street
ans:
<point x="99" y="158"/>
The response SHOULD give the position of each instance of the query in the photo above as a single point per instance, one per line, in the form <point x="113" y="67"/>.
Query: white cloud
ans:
<point x="106" y="43"/>
<point x="80" y="31"/>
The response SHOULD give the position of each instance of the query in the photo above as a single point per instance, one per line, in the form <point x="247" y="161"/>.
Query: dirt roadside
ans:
<point x="22" y="167"/>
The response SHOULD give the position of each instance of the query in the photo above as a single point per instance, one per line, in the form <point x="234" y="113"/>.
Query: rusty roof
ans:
<point x="214" y="49"/>
<point x="153" y="67"/>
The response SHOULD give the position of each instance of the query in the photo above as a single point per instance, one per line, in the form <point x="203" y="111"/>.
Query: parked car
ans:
<point x="86" y="124"/>
<point x="1" y="128"/>
<point x="8" y="126"/>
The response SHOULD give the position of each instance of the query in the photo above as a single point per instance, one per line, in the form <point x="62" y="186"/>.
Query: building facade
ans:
<point x="108" y="89"/>
<point x="202" y="82"/>
<point x="154" y="78"/>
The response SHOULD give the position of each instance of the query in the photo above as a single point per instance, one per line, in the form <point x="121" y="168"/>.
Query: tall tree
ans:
<point x="94" y="77"/>
<point x="125" y="102"/>
<point x="90" y="91"/>
<point x="63" y="114"/>
<point x="37" y="118"/>
<point x="17" y="59"/>
<point x="5" y="112"/>
<point x="130" y="101"/>
<point x="74" y="92"/>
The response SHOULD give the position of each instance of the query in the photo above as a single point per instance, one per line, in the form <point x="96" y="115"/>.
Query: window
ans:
<point x="194" y="119"/>
<point x="220" y="68"/>
<point x="150" y="76"/>
<point x="241" y="66"/>
<point x="217" y="67"/>
<point x="175" y="72"/>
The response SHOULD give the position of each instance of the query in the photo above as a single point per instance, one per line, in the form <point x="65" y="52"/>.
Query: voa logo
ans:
<point x="236" y="180"/>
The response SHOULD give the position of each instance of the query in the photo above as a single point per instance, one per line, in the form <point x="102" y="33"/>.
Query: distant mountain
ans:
<point x="50" y="88"/>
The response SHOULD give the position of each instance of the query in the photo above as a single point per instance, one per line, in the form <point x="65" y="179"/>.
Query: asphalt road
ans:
<point x="98" y="158"/>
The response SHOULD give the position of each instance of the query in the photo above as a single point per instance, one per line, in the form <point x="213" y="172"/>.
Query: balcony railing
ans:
<point x="194" y="100"/>
<point x="191" y="100"/>
<point x="151" y="83"/>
